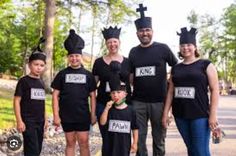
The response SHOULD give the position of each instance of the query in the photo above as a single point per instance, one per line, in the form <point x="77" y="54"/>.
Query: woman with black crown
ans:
<point x="195" y="113"/>
<point x="102" y="72"/>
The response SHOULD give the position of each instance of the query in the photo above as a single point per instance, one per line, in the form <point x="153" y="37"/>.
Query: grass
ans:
<point x="7" y="117"/>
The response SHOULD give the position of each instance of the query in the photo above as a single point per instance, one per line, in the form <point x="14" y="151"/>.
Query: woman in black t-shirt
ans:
<point x="195" y="114"/>
<point x="101" y="71"/>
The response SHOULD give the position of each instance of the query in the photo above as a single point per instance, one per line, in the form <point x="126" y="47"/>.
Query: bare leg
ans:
<point x="70" y="143"/>
<point x="83" y="140"/>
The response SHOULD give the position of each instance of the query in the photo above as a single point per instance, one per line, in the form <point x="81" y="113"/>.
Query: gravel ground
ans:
<point x="53" y="145"/>
<point x="8" y="84"/>
<point x="54" y="141"/>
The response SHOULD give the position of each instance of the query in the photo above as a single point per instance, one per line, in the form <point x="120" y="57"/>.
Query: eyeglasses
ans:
<point x="147" y="30"/>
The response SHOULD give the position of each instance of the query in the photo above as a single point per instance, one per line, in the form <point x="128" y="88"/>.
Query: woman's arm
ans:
<point x="214" y="96"/>
<point x="96" y="79"/>
<point x="131" y="78"/>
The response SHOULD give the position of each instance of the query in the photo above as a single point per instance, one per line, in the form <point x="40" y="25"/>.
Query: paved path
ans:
<point x="227" y="120"/>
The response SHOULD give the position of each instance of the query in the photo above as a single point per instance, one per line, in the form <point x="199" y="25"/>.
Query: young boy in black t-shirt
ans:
<point x="29" y="105"/>
<point x="71" y="88"/>
<point x="119" y="119"/>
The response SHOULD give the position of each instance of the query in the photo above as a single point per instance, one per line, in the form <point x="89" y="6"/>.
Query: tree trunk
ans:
<point x="50" y="12"/>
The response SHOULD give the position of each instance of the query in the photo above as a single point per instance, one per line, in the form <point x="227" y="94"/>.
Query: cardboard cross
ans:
<point x="141" y="9"/>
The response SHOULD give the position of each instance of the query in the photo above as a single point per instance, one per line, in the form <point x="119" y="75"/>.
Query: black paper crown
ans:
<point x="111" y="32"/>
<point x="143" y="22"/>
<point x="115" y="81"/>
<point x="74" y="43"/>
<point x="37" y="53"/>
<point x="187" y="36"/>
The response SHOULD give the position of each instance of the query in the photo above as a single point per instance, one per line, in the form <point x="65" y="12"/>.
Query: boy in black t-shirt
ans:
<point x="119" y="119"/>
<point x="71" y="88"/>
<point x="29" y="105"/>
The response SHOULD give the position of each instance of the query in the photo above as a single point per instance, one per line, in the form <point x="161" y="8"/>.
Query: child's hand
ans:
<point x="109" y="105"/>
<point x="134" y="148"/>
<point x="57" y="121"/>
<point x="21" y="126"/>
<point x="93" y="119"/>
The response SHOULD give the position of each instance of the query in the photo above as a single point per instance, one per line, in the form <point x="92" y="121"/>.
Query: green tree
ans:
<point x="193" y="18"/>
<point x="229" y="40"/>
<point x="23" y="23"/>
<point x="19" y="34"/>
<point x="217" y="39"/>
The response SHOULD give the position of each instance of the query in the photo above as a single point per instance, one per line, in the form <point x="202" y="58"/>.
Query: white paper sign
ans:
<point x="76" y="78"/>
<point x="145" y="71"/>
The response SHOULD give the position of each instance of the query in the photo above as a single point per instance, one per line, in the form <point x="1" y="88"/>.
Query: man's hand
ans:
<point x="134" y="148"/>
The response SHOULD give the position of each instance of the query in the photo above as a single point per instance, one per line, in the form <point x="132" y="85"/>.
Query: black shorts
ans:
<point x="70" y="127"/>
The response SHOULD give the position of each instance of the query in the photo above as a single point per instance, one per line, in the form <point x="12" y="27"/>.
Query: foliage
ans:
<point x="217" y="40"/>
<point x="229" y="40"/>
<point x="9" y="43"/>
<point x="22" y="24"/>
<point x="19" y="34"/>
<point x="193" y="18"/>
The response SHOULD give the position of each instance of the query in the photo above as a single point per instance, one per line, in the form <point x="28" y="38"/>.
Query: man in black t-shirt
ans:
<point x="148" y="76"/>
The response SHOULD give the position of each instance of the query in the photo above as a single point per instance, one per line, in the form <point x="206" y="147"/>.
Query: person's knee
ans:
<point x="70" y="143"/>
<point x="84" y="144"/>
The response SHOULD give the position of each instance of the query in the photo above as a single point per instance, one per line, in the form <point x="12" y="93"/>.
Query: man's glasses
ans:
<point x="143" y="30"/>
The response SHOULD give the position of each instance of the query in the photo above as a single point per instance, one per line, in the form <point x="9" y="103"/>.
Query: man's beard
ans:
<point x="145" y="41"/>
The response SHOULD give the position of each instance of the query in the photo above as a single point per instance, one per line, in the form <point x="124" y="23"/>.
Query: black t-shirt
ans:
<point x="32" y="93"/>
<point x="75" y="86"/>
<point x="102" y="70"/>
<point x="148" y="64"/>
<point x="120" y="122"/>
<point x="191" y="90"/>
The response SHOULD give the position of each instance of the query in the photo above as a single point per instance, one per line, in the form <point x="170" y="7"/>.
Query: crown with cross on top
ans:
<point x="143" y="22"/>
